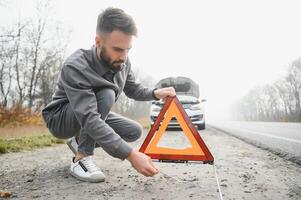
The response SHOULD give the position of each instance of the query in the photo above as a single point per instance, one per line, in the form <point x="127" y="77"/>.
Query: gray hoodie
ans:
<point x="81" y="76"/>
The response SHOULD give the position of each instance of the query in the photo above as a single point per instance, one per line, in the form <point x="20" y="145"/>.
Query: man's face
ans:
<point x="114" y="48"/>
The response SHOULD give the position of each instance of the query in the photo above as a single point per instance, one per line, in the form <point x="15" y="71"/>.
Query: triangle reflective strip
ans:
<point x="174" y="111"/>
<point x="198" y="151"/>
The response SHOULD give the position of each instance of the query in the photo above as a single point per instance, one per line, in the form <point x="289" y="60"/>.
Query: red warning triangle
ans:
<point x="198" y="151"/>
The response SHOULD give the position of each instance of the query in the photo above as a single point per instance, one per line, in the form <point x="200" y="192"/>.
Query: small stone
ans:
<point x="194" y="179"/>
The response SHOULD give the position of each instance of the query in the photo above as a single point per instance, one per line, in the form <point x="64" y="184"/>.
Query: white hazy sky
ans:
<point x="228" y="47"/>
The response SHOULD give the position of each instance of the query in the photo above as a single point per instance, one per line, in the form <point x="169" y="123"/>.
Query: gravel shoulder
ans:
<point x="245" y="172"/>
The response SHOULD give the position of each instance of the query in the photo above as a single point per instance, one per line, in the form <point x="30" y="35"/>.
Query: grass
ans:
<point x="27" y="143"/>
<point x="29" y="136"/>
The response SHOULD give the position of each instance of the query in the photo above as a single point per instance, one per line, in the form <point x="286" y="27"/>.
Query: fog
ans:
<point x="227" y="47"/>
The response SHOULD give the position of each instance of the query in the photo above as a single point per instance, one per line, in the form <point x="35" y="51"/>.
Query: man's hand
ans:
<point x="163" y="93"/>
<point x="142" y="163"/>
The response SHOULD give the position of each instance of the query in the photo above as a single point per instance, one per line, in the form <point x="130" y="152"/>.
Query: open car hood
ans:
<point x="183" y="86"/>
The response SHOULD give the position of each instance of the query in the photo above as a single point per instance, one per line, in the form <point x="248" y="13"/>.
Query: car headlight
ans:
<point x="155" y="108"/>
<point x="195" y="107"/>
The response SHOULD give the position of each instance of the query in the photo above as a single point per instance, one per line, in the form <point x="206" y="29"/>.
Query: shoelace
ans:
<point x="89" y="164"/>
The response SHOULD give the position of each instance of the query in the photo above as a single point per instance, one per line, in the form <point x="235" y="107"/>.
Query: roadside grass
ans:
<point x="27" y="143"/>
<point x="16" y="138"/>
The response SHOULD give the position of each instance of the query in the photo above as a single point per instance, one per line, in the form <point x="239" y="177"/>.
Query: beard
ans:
<point x="116" y="65"/>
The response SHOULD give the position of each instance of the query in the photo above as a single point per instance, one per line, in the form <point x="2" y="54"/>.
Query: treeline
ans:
<point x="32" y="51"/>
<point x="279" y="101"/>
<point x="135" y="109"/>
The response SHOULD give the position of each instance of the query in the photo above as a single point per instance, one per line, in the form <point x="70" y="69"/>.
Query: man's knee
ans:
<point x="135" y="132"/>
<point x="105" y="100"/>
<point x="62" y="122"/>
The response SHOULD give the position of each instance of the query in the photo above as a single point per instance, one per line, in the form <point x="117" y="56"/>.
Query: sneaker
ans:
<point x="73" y="144"/>
<point x="86" y="170"/>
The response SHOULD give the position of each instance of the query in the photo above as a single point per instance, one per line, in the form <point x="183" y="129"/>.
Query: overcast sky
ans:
<point x="228" y="47"/>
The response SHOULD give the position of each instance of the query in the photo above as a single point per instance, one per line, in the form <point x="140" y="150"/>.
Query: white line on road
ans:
<point x="265" y="134"/>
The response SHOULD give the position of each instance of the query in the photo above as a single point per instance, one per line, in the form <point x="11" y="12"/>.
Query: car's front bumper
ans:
<point x="195" y="119"/>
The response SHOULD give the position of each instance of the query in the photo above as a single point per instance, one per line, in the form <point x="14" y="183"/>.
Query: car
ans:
<point x="188" y="94"/>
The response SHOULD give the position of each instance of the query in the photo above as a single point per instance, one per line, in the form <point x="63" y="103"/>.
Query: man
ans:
<point x="89" y="84"/>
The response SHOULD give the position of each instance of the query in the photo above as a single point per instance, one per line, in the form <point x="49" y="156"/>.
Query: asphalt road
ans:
<point x="284" y="139"/>
<point x="244" y="171"/>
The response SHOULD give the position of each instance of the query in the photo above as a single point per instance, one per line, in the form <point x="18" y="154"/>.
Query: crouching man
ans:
<point x="89" y="83"/>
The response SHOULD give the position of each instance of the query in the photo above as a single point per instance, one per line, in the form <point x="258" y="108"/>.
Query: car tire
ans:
<point x="201" y="126"/>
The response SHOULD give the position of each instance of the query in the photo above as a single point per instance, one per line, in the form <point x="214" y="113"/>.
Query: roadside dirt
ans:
<point x="244" y="171"/>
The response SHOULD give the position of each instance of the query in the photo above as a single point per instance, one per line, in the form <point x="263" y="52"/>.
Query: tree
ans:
<point x="294" y="80"/>
<point x="279" y="101"/>
<point x="7" y="52"/>
<point x="286" y="97"/>
<point x="131" y="108"/>
<point x="31" y="52"/>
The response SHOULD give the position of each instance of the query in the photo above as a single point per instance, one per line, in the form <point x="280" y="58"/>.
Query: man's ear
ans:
<point x="98" y="41"/>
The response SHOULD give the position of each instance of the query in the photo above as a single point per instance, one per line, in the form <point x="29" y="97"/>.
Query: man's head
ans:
<point x="114" y="33"/>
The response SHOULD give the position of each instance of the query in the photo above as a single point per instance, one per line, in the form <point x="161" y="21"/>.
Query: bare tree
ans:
<point x="48" y="77"/>
<point x="272" y="102"/>
<point x="5" y="77"/>
<point x="19" y="64"/>
<point x="31" y="54"/>
<point x="36" y="41"/>
<point x="285" y="95"/>
<point x="276" y="102"/>
<point x="131" y="108"/>
<point x="294" y="79"/>
<point x="6" y="59"/>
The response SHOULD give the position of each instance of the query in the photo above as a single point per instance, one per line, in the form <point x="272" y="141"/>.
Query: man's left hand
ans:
<point x="163" y="93"/>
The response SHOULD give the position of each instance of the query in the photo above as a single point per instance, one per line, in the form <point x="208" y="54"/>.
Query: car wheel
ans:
<point x="201" y="126"/>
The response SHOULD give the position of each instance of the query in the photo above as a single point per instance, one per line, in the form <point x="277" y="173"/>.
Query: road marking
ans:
<point x="260" y="133"/>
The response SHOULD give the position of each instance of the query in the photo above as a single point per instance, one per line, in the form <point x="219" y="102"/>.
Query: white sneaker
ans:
<point x="86" y="170"/>
<point x="73" y="144"/>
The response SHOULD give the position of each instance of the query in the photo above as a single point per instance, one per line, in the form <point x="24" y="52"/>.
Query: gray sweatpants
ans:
<point x="65" y="125"/>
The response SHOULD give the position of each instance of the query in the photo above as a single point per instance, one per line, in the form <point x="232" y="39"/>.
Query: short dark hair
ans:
<point x="115" y="19"/>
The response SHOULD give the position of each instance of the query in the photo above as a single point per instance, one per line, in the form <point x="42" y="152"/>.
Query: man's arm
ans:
<point x="83" y="103"/>
<point x="138" y="92"/>
<point x="135" y="90"/>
